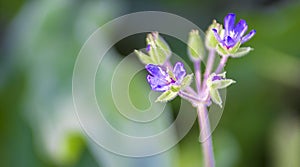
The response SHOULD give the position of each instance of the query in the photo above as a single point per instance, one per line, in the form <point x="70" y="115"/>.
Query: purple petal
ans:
<point x="240" y="29"/>
<point x="156" y="70"/>
<point x="148" y="48"/>
<point x="217" y="78"/>
<point x="157" y="84"/>
<point x="217" y="35"/>
<point x="179" y="71"/>
<point x="229" y="42"/>
<point x="229" y="23"/>
<point x="248" y="36"/>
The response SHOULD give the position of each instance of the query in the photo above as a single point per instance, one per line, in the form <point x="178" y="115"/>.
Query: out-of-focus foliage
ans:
<point x="39" y="44"/>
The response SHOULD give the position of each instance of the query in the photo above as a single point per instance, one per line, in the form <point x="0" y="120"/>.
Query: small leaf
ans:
<point x="242" y="52"/>
<point x="215" y="96"/>
<point x="195" y="46"/>
<point x="166" y="96"/>
<point x="220" y="84"/>
<point x="186" y="81"/>
<point x="145" y="59"/>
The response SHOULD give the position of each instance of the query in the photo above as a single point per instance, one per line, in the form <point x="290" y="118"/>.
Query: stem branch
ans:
<point x="205" y="136"/>
<point x="222" y="64"/>
<point x="197" y="67"/>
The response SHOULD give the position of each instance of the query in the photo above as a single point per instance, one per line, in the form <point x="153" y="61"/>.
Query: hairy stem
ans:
<point x="197" y="67"/>
<point x="222" y="64"/>
<point x="209" y="66"/>
<point x="189" y="97"/>
<point x="210" y="63"/>
<point x="205" y="136"/>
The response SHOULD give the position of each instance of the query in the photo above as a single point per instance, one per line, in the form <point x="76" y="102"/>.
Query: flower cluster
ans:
<point x="173" y="81"/>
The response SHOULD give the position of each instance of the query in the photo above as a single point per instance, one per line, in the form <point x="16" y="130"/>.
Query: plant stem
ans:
<point x="222" y="64"/>
<point x="189" y="97"/>
<point x="209" y="66"/>
<point x="205" y="136"/>
<point x="197" y="67"/>
<point x="210" y="63"/>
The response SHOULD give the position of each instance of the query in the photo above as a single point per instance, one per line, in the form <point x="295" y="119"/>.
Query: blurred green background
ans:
<point x="39" y="42"/>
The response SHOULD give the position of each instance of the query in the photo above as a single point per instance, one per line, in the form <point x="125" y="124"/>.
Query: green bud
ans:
<point x="162" y="44"/>
<point x="195" y="46"/>
<point x="145" y="59"/>
<point x="159" y="50"/>
<point x="210" y="41"/>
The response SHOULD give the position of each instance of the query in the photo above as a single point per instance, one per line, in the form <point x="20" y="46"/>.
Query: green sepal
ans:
<point x="241" y="52"/>
<point x="220" y="84"/>
<point x="215" y="85"/>
<point x="171" y="74"/>
<point x="215" y="96"/>
<point x="162" y="44"/>
<point x="175" y="88"/>
<point x="145" y="59"/>
<point x="195" y="46"/>
<point x="186" y="81"/>
<point x="235" y="48"/>
<point x="167" y="96"/>
<point x="223" y="51"/>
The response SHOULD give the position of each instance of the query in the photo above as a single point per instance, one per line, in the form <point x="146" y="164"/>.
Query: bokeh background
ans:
<point x="39" y="42"/>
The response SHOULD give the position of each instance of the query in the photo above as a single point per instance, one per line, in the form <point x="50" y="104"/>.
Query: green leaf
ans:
<point x="186" y="81"/>
<point x="195" y="46"/>
<point x="145" y="59"/>
<point x="220" y="84"/>
<point x="241" y="52"/>
<point x="215" y="96"/>
<point x="166" y="96"/>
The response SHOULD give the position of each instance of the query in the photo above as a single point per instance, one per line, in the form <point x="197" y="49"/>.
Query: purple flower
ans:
<point x="160" y="80"/>
<point x="233" y="33"/>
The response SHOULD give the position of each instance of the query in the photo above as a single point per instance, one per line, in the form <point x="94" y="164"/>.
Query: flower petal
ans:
<point x="216" y="77"/>
<point x="179" y="71"/>
<point x="156" y="70"/>
<point x="217" y="35"/>
<point x="157" y="84"/>
<point x="248" y="36"/>
<point x="229" y="23"/>
<point x="240" y="29"/>
<point x="229" y="42"/>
